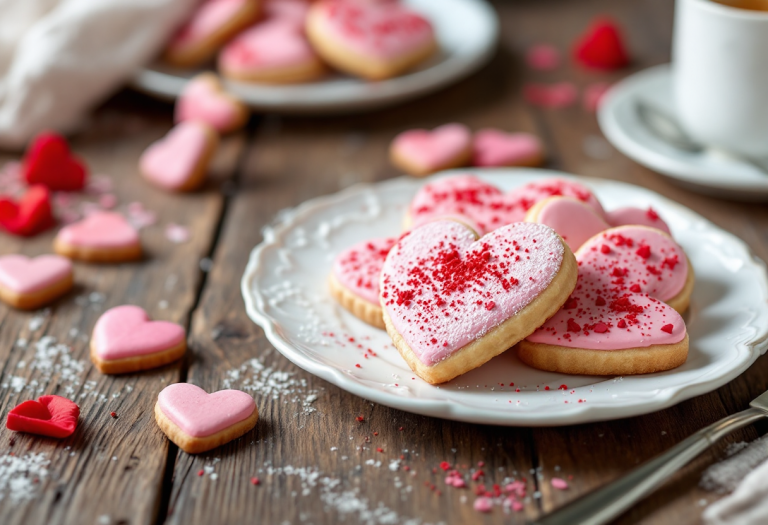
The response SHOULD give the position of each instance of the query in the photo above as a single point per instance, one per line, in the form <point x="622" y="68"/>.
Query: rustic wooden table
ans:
<point x="315" y="462"/>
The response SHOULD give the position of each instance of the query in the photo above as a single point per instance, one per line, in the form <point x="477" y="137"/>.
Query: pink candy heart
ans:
<point x="199" y="414"/>
<point x="179" y="160"/>
<point x="204" y="99"/>
<point x="99" y="230"/>
<point x="24" y="275"/>
<point x="126" y="331"/>
<point x="432" y="150"/>
<point x="497" y="148"/>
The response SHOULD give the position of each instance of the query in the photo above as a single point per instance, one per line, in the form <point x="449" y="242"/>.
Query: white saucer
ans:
<point x="711" y="173"/>
<point x="286" y="292"/>
<point x="467" y="31"/>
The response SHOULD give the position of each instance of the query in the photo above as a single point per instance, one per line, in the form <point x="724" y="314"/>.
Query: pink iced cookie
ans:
<point x="374" y="40"/>
<point x="291" y="10"/>
<point x="205" y="99"/>
<point x="493" y="147"/>
<point x="100" y="237"/>
<point x="197" y="421"/>
<point x="623" y="317"/>
<point x="126" y="340"/>
<point x="484" y="205"/>
<point x="275" y="51"/>
<point x="211" y="25"/>
<point x="637" y="216"/>
<point x="179" y="161"/>
<point x="354" y="281"/>
<point x="451" y="302"/>
<point x="421" y="152"/>
<point x="575" y="221"/>
<point x="30" y="283"/>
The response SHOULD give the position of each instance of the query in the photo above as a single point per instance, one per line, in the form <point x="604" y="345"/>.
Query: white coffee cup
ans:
<point x="720" y="75"/>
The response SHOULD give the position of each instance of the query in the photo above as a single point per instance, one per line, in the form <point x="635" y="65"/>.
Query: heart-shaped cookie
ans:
<point x="575" y="221"/>
<point x="31" y="215"/>
<point x="197" y="421"/>
<point x="275" y="51"/>
<point x="354" y="281"/>
<point x="179" y="161"/>
<point x="375" y="40"/>
<point x="451" y="302"/>
<point x="100" y="237"/>
<point x="484" y="205"/>
<point x="210" y="27"/>
<point x="623" y="317"/>
<point x="601" y="46"/>
<point x="30" y="283"/>
<point x="493" y="147"/>
<point x="421" y="152"/>
<point x="205" y="99"/>
<point x="52" y="416"/>
<point x="49" y="162"/>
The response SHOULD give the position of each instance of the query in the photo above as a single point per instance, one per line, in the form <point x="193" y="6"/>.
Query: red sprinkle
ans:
<point x="635" y="288"/>
<point x="644" y="251"/>
<point x="379" y="449"/>
<point x="573" y="326"/>
<point x="667" y="328"/>
<point x="605" y="248"/>
<point x="360" y="419"/>
<point x="445" y="465"/>
<point x="113" y="414"/>
<point x="200" y="472"/>
<point x="255" y="481"/>
<point x="600" y="328"/>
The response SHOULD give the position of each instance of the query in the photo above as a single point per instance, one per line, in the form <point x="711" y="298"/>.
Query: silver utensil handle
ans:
<point x="604" y="504"/>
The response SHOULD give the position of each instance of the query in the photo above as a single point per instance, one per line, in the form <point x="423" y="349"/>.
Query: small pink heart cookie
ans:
<point x="571" y="218"/>
<point x="28" y="284"/>
<point x="373" y="40"/>
<point x="623" y="316"/>
<point x="354" y="280"/>
<point x="637" y="216"/>
<point x="212" y="24"/>
<point x="205" y="99"/>
<point x="198" y="421"/>
<point x="493" y="147"/>
<point x="179" y="161"/>
<point x="275" y="51"/>
<point x="484" y="205"/>
<point x="421" y="152"/>
<point x="452" y="301"/>
<point x="126" y="340"/>
<point x="101" y="237"/>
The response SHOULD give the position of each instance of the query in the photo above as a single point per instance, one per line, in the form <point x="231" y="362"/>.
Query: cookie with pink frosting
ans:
<point x="354" y="280"/>
<point x="126" y="340"/>
<point x="420" y="152"/>
<point x="206" y="100"/>
<point x="625" y="315"/>
<point x="198" y="421"/>
<point x="638" y="216"/>
<point x="373" y="40"/>
<point x="452" y="301"/>
<point x="28" y="284"/>
<point x="495" y="148"/>
<point x="179" y="161"/>
<point x="210" y="27"/>
<point x="486" y="206"/>
<point x="575" y="221"/>
<point x="105" y="237"/>
<point x="275" y="51"/>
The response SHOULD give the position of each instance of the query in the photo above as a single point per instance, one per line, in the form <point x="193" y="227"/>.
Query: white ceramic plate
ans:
<point x="285" y="292"/>
<point x="712" y="173"/>
<point x="467" y="31"/>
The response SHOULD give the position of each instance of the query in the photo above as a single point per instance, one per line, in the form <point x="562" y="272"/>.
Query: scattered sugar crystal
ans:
<point x="18" y="475"/>
<point x="724" y="476"/>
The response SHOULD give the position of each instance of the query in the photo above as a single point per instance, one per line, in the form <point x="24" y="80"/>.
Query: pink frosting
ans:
<point x="100" y="230"/>
<point x="493" y="147"/>
<point x="203" y="99"/>
<point x="434" y="149"/>
<point x="126" y="331"/>
<point x="375" y="29"/>
<point x="485" y="205"/>
<point x="358" y="268"/>
<point x="625" y="274"/>
<point x="443" y="289"/>
<point x="24" y="275"/>
<point x="209" y="18"/>
<point x="271" y="44"/>
<point x="172" y="160"/>
<point x="638" y="216"/>
<point x="291" y="10"/>
<point x="199" y="414"/>
<point x="572" y="219"/>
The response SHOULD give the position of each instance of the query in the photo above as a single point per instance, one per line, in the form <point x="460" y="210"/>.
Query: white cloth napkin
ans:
<point x="748" y="505"/>
<point x="59" y="58"/>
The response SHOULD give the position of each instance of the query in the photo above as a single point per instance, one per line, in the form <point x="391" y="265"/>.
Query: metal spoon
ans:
<point x="666" y="128"/>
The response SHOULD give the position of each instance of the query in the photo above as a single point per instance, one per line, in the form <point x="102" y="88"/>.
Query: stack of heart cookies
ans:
<point x="543" y="268"/>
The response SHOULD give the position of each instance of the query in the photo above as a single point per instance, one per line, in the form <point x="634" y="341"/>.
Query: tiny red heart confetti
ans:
<point x="52" y="416"/>
<point x="30" y="215"/>
<point x="602" y="46"/>
<point x="49" y="162"/>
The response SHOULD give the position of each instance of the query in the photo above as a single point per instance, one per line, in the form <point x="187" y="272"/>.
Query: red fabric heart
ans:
<point x="602" y="46"/>
<point x="49" y="162"/>
<point x="52" y="416"/>
<point x="30" y="215"/>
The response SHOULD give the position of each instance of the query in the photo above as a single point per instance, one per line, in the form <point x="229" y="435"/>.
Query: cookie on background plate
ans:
<point x="28" y="284"/>
<point x="198" y="421"/>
